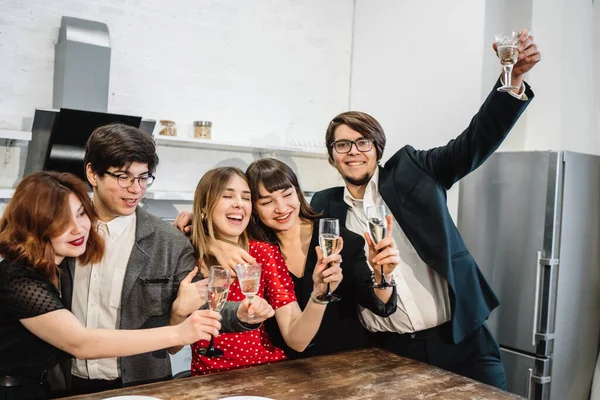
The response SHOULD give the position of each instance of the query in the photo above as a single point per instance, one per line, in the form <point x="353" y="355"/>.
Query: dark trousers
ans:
<point x="476" y="357"/>
<point x="85" y="386"/>
<point x="29" y="391"/>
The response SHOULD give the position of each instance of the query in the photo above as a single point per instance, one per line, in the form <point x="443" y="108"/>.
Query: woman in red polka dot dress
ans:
<point x="223" y="208"/>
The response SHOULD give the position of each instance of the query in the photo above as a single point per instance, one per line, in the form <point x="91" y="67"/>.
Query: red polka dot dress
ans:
<point x="242" y="349"/>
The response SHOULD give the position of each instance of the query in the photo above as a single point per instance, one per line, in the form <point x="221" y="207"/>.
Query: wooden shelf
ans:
<point x="211" y="145"/>
<point x="15" y="135"/>
<point x="6" y="193"/>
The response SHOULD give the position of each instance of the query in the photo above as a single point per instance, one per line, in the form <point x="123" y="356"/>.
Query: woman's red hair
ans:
<point x="40" y="211"/>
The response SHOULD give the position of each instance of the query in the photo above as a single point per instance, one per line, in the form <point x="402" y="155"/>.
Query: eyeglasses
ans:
<point x="344" y="146"/>
<point x="126" y="180"/>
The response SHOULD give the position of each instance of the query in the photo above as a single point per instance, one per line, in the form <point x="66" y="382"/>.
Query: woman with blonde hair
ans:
<point x="222" y="210"/>
<point x="48" y="220"/>
<point x="283" y="218"/>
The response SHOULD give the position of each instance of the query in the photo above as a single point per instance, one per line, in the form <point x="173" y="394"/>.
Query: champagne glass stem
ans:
<point x="329" y="295"/>
<point x="251" y="316"/>
<point x="507" y="74"/>
<point x="211" y="346"/>
<point x="383" y="280"/>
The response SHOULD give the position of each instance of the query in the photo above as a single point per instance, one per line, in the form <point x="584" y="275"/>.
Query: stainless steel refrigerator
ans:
<point x="531" y="220"/>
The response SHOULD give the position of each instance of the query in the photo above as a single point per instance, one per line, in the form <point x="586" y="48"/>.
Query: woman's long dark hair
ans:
<point x="274" y="175"/>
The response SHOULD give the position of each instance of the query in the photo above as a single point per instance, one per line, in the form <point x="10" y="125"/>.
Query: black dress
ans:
<point x="24" y="293"/>
<point x="341" y="329"/>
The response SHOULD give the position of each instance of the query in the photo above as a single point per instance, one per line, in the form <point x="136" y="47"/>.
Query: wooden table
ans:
<point x="361" y="374"/>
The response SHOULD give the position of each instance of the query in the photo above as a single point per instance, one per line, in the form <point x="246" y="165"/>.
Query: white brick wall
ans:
<point x="261" y="70"/>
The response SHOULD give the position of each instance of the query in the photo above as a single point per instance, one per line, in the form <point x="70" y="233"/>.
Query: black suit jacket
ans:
<point x="413" y="184"/>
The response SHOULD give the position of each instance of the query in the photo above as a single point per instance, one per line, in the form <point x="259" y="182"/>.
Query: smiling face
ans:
<point x="112" y="200"/>
<point x="356" y="167"/>
<point x="231" y="213"/>
<point x="72" y="242"/>
<point x="278" y="210"/>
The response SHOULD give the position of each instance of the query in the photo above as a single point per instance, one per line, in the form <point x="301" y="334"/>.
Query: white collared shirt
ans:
<point x="423" y="300"/>
<point x="97" y="292"/>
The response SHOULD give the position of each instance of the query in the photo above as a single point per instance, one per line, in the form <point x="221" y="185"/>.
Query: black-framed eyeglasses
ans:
<point x="344" y="146"/>
<point x="126" y="180"/>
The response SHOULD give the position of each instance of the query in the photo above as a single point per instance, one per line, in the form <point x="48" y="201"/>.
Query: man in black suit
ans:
<point x="444" y="299"/>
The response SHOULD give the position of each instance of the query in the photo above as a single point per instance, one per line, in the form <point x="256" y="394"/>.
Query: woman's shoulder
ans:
<point x="18" y="272"/>
<point x="15" y="269"/>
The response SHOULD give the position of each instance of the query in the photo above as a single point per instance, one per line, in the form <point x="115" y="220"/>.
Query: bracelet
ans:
<point x="391" y="281"/>
<point x="317" y="301"/>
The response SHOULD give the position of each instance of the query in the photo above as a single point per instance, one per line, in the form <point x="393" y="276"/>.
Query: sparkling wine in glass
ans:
<point x="508" y="55"/>
<point x="377" y="231"/>
<point x="329" y="236"/>
<point x="218" y="287"/>
<point x="249" y="279"/>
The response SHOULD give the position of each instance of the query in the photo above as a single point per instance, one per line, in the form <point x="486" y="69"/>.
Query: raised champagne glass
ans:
<point x="377" y="231"/>
<point x="508" y="55"/>
<point x="329" y="236"/>
<point x="218" y="287"/>
<point x="248" y="275"/>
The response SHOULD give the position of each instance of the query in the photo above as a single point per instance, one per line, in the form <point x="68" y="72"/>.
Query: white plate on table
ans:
<point x="132" y="397"/>
<point x="245" y="398"/>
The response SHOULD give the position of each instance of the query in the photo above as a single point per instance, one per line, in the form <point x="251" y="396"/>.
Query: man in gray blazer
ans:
<point x="136" y="283"/>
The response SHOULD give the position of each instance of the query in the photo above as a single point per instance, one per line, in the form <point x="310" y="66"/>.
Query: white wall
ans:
<point x="564" y="117"/>
<point x="406" y="74"/>
<point x="262" y="71"/>
<point x="417" y="68"/>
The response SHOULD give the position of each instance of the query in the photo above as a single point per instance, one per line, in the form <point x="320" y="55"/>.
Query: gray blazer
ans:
<point x="161" y="257"/>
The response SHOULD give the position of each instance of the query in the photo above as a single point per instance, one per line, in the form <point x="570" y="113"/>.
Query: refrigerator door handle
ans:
<point x="531" y="379"/>
<point x="541" y="262"/>
<point x="529" y="376"/>
<point x="536" y="306"/>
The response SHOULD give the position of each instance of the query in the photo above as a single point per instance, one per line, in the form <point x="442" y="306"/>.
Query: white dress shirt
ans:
<point x="423" y="300"/>
<point x="97" y="292"/>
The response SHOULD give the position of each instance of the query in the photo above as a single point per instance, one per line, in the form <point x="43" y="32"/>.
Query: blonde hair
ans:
<point x="207" y="195"/>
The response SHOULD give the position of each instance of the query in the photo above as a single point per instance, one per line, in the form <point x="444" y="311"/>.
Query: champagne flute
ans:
<point x="249" y="280"/>
<point x="377" y="231"/>
<point x="509" y="55"/>
<point x="329" y="236"/>
<point x="218" y="288"/>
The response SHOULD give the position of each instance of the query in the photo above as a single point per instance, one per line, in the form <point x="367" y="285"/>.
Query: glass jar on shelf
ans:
<point x="202" y="129"/>
<point x="167" y="128"/>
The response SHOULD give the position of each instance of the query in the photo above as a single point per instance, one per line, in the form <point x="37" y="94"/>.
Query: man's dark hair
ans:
<point x="362" y="123"/>
<point x="119" y="145"/>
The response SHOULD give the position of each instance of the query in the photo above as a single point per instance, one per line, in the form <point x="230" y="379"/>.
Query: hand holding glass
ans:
<point x="249" y="280"/>
<point x="329" y="236"/>
<point x="218" y="288"/>
<point x="509" y="55"/>
<point x="377" y="231"/>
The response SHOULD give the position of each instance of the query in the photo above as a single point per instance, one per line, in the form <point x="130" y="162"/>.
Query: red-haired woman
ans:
<point x="48" y="219"/>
